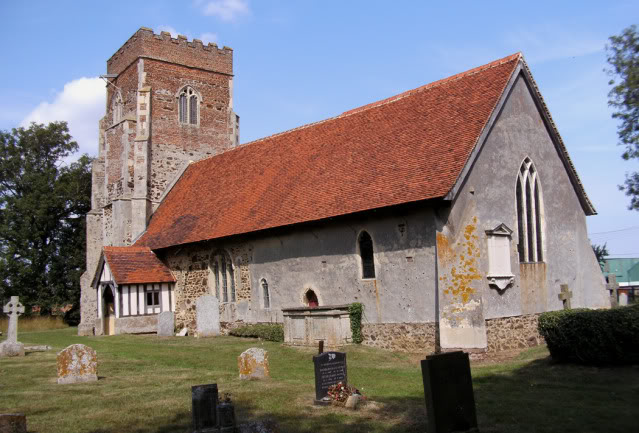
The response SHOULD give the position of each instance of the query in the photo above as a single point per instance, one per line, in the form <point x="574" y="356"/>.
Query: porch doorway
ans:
<point x="109" y="311"/>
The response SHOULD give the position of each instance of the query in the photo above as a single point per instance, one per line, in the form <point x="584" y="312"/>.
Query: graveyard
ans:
<point x="144" y="385"/>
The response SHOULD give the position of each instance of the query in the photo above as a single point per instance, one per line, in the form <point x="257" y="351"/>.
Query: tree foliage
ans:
<point x="43" y="201"/>
<point x="601" y="252"/>
<point x="623" y="57"/>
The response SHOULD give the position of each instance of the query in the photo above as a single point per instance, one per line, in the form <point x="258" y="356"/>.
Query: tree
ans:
<point x="623" y="57"/>
<point x="601" y="252"/>
<point x="43" y="201"/>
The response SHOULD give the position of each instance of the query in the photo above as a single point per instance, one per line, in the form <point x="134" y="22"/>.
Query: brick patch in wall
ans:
<point x="400" y="337"/>
<point x="517" y="332"/>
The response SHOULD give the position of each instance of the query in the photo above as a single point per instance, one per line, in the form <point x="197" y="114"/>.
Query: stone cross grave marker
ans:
<point x="204" y="408"/>
<point x="565" y="296"/>
<point x="330" y="368"/>
<point x="77" y="363"/>
<point x="448" y="390"/>
<point x="613" y="286"/>
<point x="11" y="346"/>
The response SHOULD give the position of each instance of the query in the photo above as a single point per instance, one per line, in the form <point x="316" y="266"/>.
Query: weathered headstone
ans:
<point x="613" y="287"/>
<point x="208" y="316"/>
<point x="565" y="296"/>
<point x="330" y="369"/>
<point x="448" y="390"/>
<point x="166" y="324"/>
<point x="13" y="423"/>
<point x="253" y="364"/>
<point x="77" y="363"/>
<point x="204" y="408"/>
<point x="11" y="346"/>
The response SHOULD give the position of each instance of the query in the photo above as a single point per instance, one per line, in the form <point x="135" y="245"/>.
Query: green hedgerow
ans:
<point x="355" y="312"/>
<point x="593" y="337"/>
<point x="265" y="331"/>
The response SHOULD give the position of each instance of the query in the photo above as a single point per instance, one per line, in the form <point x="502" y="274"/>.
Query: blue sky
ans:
<point x="297" y="62"/>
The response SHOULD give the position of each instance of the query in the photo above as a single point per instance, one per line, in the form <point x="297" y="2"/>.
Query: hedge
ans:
<point x="592" y="337"/>
<point x="265" y="331"/>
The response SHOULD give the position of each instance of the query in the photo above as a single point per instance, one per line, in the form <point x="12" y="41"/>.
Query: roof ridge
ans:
<point x="394" y="98"/>
<point x="129" y="248"/>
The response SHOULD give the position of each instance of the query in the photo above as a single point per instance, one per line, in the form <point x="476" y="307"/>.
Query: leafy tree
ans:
<point x="43" y="201"/>
<point x="601" y="252"/>
<point x="623" y="57"/>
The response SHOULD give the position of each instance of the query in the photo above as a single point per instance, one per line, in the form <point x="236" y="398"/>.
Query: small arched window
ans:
<point x="224" y="276"/>
<point x="366" y="253"/>
<point x="311" y="299"/>
<point x="188" y="106"/>
<point x="266" y="296"/>
<point x="529" y="214"/>
<point x="117" y="107"/>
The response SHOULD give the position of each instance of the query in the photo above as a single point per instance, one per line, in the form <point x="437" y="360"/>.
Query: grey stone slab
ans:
<point x="183" y="332"/>
<point x="207" y="316"/>
<point x="253" y="364"/>
<point x="9" y="349"/>
<point x="166" y="324"/>
<point x="77" y="363"/>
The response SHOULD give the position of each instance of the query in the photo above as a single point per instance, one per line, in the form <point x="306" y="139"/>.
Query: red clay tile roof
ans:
<point x="407" y="148"/>
<point x="136" y="265"/>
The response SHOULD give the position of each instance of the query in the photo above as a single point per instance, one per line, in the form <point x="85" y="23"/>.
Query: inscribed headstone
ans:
<point x="166" y="324"/>
<point x="207" y="316"/>
<point x="77" y="363"/>
<point x="13" y="423"/>
<point x="253" y="364"/>
<point x="204" y="408"/>
<point x="448" y="390"/>
<point x="11" y="346"/>
<point x="330" y="368"/>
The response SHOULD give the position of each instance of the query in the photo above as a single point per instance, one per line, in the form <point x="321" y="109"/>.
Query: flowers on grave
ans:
<point x="340" y="392"/>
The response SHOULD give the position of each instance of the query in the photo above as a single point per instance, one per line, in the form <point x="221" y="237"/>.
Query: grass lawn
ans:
<point x="145" y="386"/>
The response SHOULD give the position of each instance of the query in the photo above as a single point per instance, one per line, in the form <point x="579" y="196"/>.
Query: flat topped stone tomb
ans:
<point x="306" y="326"/>
<point x="77" y="363"/>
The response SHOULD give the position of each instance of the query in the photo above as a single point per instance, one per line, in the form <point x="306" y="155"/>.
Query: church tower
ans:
<point x="169" y="101"/>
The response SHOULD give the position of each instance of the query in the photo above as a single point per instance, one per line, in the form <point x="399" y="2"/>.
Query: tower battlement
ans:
<point x="163" y="47"/>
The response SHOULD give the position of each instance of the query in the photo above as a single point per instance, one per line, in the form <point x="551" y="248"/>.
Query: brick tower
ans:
<point x="169" y="101"/>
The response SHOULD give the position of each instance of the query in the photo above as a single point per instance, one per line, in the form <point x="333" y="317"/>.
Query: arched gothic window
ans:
<point x="188" y="106"/>
<point x="529" y="214"/>
<point x="366" y="253"/>
<point x="117" y="107"/>
<point x="266" y="295"/>
<point x="224" y="276"/>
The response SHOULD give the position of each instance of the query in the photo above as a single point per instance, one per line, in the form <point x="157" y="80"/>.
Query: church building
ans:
<point x="452" y="211"/>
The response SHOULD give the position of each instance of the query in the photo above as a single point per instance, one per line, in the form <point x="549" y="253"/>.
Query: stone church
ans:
<point x="452" y="212"/>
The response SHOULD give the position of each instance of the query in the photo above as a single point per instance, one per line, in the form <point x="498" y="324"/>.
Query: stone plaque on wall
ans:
<point x="330" y="368"/>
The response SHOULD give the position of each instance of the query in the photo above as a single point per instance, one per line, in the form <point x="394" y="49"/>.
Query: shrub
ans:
<point x="593" y="337"/>
<point x="265" y="331"/>
<point x="355" y="312"/>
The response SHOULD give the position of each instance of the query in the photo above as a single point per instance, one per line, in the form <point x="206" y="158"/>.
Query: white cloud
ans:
<point x="226" y="10"/>
<point x="81" y="104"/>
<point x="547" y="43"/>
<point x="205" y="37"/>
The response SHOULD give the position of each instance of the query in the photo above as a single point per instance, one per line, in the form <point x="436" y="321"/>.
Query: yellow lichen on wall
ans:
<point x="465" y="267"/>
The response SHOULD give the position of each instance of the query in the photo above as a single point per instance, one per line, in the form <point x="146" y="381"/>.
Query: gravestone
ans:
<point x="11" y="346"/>
<point x="166" y="324"/>
<point x="253" y="364"/>
<point x="77" y="363"/>
<point x="613" y="287"/>
<point x="565" y="296"/>
<point x="448" y="390"/>
<point x="204" y="408"/>
<point x="208" y="316"/>
<point x="13" y="423"/>
<point x="330" y="369"/>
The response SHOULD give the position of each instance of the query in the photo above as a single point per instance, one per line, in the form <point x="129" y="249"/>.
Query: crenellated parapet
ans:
<point x="146" y="44"/>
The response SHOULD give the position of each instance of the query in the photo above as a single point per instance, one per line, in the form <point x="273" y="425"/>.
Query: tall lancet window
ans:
<point x="117" y="107"/>
<point x="223" y="274"/>
<point x="367" y="256"/>
<point x="188" y="106"/>
<point x="529" y="214"/>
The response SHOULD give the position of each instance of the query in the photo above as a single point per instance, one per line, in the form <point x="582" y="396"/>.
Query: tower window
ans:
<point x="117" y="108"/>
<point x="366" y="254"/>
<point x="529" y="214"/>
<point x="188" y="106"/>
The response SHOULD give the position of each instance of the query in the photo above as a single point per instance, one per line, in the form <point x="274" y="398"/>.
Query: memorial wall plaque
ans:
<point x="448" y="390"/>
<point x="204" y="400"/>
<point x="330" y="368"/>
